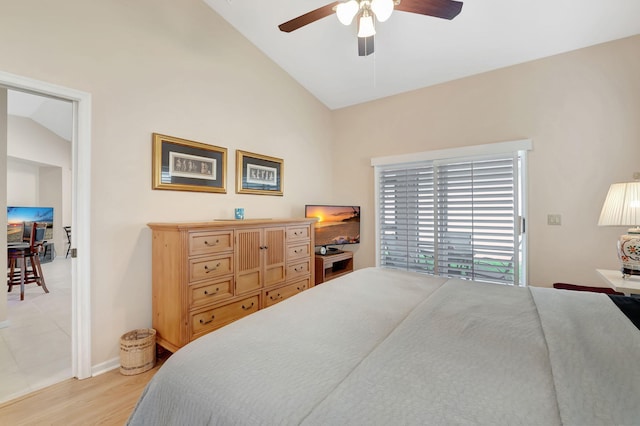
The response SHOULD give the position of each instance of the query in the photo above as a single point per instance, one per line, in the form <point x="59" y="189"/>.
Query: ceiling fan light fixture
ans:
<point x="365" y="27"/>
<point x="347" y="11"/>
<point x="382" y="9"/>
<point x="364" y="10"/>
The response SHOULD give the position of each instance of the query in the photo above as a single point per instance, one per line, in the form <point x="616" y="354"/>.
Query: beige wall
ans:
<point x="582" y="111"/>
<point x="175" y="68"/>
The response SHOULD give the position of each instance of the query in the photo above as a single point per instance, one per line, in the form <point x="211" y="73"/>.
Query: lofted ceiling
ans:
<point x="414" y="51"/>
<point x="53" y="114"/>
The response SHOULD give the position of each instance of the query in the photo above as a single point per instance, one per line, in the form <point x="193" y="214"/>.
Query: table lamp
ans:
<point x="622" y="208"/>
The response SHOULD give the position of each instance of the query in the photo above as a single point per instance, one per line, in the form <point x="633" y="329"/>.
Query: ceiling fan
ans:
<point x="365" y="10"/>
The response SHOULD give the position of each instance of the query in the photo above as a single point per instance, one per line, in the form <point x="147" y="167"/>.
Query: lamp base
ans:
<point x="629" y="253"/>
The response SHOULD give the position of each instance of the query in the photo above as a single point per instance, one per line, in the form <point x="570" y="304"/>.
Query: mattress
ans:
<point x="384" y="347"/>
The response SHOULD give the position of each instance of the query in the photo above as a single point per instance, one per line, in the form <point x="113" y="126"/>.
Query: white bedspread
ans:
<point x="395" y="348"/>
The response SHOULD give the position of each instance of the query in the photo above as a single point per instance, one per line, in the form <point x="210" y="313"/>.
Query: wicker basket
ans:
<point x="137" y="351"/>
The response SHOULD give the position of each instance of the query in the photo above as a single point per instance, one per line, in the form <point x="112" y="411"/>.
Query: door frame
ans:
<point x="80" y="212"/>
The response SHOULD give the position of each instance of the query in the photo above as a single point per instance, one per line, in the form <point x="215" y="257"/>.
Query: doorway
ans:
<point x="80" y="211"/>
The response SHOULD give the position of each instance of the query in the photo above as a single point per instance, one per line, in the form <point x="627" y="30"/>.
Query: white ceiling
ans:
<point x="414" y="51"/>
<point x="54" y="114"/>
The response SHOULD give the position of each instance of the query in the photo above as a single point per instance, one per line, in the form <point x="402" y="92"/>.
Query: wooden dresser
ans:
<point x="208" y="274"/>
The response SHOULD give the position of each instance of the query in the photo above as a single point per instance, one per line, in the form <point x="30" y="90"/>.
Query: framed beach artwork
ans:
<point x="259" y="174"/>
<point x="183" y="165"/>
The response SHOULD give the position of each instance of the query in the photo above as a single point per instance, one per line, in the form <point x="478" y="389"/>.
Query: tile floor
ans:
<point x="35" y="349"/>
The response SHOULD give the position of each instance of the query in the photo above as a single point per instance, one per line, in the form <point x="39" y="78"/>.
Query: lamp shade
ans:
<point x="622" y="205"/>
<point x="347" y="11"/>
<point x="366" y="28"/>
<point x="382" y="9"/>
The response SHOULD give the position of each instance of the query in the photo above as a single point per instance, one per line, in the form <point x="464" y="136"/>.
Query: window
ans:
<point x="453" y="215"/>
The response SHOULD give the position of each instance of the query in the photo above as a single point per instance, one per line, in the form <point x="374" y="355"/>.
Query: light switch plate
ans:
<point x="554" y="219"/>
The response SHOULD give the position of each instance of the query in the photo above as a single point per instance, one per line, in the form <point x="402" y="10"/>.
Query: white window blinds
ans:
<point x="406" y="218"/>
<point x="456" y="218"/>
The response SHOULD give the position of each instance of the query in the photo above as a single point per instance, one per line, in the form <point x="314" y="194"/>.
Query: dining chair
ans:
<point x="67" y="230"/>
<point x="24" y="259"/>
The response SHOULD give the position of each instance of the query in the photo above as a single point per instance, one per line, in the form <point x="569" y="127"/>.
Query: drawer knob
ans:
<point x="246" y="308"/>
<point x="297" y="233"/>
<point x="206" y="292"/>
<point x="203" y="322"/>
<point x="264" y="247"/>
<point x="206" y="268"/>
<point x="206" y="243"/>
<point x="276" y="297"/>
<point x="298" y="269"/>
<point x="300" y="288"/>
<point x="296" y="251"/>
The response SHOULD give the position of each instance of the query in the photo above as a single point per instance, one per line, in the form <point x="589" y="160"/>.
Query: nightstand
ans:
<point x="614" y="280"/>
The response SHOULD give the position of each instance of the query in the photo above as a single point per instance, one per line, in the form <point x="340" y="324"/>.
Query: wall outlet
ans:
<point x="554" y="219"/>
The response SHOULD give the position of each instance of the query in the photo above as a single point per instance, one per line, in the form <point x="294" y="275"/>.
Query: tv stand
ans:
<point x="333" y="265"/>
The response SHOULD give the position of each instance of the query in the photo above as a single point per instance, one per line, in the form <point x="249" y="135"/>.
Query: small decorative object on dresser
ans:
<point x="182" y="165"/>
<point x="259" y="174"/>
<point x="208" y="274"/>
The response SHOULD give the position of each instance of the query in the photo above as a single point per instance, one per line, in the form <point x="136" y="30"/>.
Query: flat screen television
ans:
<point x="336" y="225"/>
<point x="17" y="215"/>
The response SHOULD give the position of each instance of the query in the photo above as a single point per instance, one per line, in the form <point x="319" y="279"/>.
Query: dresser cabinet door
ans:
<point x="249" y="243"/>
<point x="260" y="258"/>
<point x="274" y="256"/>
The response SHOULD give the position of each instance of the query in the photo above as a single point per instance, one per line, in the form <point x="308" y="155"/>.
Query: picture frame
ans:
<point x="184" y="165"/>
<point x="259" y="174"/>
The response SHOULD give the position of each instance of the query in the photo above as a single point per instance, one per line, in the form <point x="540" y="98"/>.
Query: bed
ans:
<point x="388" y="347"/>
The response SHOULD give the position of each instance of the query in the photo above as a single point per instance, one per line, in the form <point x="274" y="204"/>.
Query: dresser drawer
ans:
<point x="210" y="267"/>
<point x="210" y="292"/>
<point x="271" y="297"/>
<point x="298" y="270"/>
<point x="208" y="320"/>
<point x="210" y="242"/>
<point x="296" y="233"/>
<point x="298" y="251"/>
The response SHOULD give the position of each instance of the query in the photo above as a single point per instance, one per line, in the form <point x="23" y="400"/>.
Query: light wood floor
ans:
<point x="107" y="399"/>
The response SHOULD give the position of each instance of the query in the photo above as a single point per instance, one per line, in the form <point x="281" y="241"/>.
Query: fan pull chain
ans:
<point x="375" y="78"/>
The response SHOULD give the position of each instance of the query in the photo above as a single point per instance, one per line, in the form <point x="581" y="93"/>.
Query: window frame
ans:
<point x="518" y="148"/>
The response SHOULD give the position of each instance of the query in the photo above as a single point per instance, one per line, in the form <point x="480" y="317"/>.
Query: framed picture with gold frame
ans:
<point x="183" y="165"/>
<point x="259" y="174"/>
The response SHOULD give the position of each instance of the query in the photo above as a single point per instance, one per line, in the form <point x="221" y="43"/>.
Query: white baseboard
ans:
<point x="103" y="367"/>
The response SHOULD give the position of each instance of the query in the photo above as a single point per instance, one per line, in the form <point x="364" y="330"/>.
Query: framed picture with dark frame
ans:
<point x="183" y="165"/>
<point x="259" y="174"/>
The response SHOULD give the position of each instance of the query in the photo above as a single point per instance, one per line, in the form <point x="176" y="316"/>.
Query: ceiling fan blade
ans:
<point x="308" y="17"/>
<point x="365" y="46"/>
<point x="445" y="9"/>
